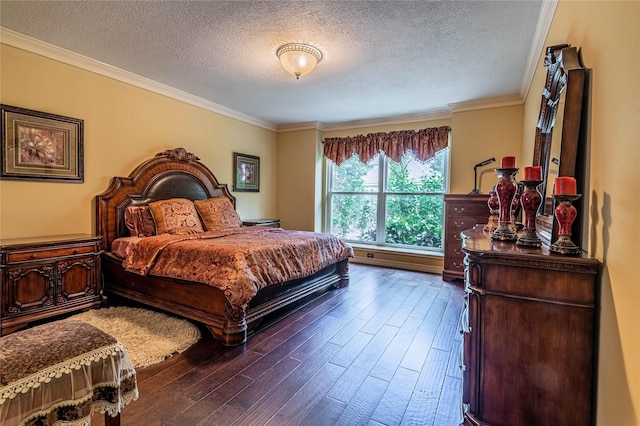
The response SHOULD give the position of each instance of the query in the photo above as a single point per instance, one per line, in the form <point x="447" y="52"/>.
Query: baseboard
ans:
<point x="409" y="266"/>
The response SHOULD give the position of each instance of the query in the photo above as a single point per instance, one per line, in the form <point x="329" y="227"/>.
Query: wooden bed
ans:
<point x="178" y="174"/>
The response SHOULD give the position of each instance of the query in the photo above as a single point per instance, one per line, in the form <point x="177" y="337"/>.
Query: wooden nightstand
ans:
<point x="41" y="277"/>
<point x="273" y="223"/>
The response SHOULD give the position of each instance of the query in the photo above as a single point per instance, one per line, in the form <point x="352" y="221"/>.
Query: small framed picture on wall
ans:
<point x="247" y="173"/>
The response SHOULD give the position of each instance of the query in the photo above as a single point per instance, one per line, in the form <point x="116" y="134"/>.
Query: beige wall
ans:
<point x="298" y="180"/>
<point x="479" y="135"/>
<point x="124" y="126"/>
<point x="608" y="33"/>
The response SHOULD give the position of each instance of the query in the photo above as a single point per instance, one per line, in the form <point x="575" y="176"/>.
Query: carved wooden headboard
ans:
<point x="173" y="173"/>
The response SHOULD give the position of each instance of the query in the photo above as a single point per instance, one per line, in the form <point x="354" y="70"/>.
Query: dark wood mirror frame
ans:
<point x="566" y="76"/>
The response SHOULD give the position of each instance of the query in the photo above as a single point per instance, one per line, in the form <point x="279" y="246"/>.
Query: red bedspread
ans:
<point x="238" y="261"/>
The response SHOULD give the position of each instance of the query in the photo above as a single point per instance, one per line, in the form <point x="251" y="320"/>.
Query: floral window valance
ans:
<point x="422" y="143"/>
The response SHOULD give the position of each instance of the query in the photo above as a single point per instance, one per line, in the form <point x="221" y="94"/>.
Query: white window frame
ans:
<point x="382" y="195"/>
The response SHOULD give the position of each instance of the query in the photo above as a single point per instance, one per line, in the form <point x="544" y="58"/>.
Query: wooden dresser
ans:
<point x="42" y="277"/>
<point x="462" y="211"/>
<point x="529" y="340"/>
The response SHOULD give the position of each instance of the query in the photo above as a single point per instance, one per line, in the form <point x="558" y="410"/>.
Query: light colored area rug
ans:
<point x="148" y="336"/>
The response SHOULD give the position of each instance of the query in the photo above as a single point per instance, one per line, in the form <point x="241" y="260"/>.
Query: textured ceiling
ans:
<point x="381" y="59"/>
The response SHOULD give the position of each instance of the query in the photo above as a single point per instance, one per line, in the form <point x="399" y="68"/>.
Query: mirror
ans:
<point x="554" y="156"/>
<point x="560" y="153"/>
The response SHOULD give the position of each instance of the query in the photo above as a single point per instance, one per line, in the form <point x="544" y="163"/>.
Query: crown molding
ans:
<point x="547" y="11"/>
<point x="385" y="121"/>
<point x="497" y="102"/>
<point x="309" y="125"/>
<point x="59" y="54"/>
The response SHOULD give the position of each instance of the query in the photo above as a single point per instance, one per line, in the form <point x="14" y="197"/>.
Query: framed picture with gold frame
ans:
<point x="41" y="146"/>
<point x="247" y="172"/>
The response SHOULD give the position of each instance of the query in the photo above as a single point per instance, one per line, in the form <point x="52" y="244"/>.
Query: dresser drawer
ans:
<point x="49" y="253"/>
<point x="454" y="249"/>
<point x="457" y="224"/>
<point x="455" y="266"/>
<point x="473" y="210"/>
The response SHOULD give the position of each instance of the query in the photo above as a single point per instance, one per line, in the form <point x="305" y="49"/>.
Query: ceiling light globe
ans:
<point x="298" y="59"/>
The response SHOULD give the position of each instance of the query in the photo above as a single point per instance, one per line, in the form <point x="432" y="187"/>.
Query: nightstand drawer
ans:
<point x="48" y="253"/>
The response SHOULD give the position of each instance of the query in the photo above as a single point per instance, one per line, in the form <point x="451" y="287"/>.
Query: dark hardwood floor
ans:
<point x="383" y="351"/>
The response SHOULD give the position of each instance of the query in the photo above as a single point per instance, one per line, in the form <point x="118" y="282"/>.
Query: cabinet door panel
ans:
<point x="30" y="288"/>
<point x="76" y="279"/>
<point x="543" y="343"/>
<point x="471" y="342"/>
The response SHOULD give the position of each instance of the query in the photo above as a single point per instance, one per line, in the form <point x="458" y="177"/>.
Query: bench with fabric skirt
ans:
<point x="62" y="372"/>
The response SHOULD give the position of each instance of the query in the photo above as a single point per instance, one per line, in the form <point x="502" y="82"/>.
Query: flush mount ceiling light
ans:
<point x="298" y="59"/>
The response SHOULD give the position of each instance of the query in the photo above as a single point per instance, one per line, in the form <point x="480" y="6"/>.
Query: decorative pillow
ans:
<point x="139" y="221"/>
<point x="217" y="213"/>
<point x="175" y="216"/>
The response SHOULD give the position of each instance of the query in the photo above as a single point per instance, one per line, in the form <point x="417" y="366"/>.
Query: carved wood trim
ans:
<point x="179" y="154"/>
<point x="565" y="265"/>
<point x="565" y="73"/>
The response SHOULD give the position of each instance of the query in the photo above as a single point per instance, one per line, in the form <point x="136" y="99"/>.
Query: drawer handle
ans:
<point x="76" y="251"/>
<point x="34" y="256"/>
<point x="458" y="210"/>
<point x="458" y="224"/>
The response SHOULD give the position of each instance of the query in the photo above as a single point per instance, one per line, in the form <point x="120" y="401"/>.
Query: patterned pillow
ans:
<point x="139" y="221"/>
<point x="175" y="216"/>
<point x="218" y="213"/>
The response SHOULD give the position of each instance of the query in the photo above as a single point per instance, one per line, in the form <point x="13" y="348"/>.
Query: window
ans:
<point x="387" y="203"/>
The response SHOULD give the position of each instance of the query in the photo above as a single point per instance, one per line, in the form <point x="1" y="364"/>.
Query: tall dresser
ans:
<point x="462" y="211"/>
<point x="529" y="335"/>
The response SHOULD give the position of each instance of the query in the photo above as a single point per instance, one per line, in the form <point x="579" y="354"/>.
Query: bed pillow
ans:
<point x="175" y="216"/>
<point x="139" y="221"/>
<point x="218" y="213"/>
